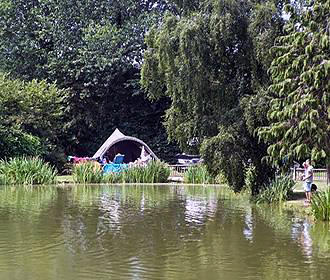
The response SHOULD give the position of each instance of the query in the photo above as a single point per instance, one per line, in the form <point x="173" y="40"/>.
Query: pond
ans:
<point x="154" y="232"/>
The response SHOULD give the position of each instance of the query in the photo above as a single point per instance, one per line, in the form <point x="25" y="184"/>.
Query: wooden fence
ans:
<point x="319" y="174"/>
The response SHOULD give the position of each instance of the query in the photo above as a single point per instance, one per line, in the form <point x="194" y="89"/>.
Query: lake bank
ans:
<point x="296" y="203"/>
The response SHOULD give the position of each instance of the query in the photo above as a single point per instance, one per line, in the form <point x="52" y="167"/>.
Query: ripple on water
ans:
<point x="109" y="234"/>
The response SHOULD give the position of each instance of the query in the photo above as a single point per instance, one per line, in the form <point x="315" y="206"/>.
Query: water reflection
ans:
<point x="248" y="229"/>
<point x="154" y="232"/>
<point x="301" y="233"/>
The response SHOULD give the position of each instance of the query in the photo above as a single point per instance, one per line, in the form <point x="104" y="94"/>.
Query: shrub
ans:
<point x="321" y="205"/>
<point x="26" y="171"/>
<point x="15" y="143"/>
<point x="87" y="173"/>
<point x="279" y="190"/>
<point x="198" y="174"/>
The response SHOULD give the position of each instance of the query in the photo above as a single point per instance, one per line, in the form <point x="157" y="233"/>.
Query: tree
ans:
<point x="93" y="48"/>
<point x="30" y="117"/>
<point x="212" y="63"/>
<point x="299" y="114"/>
<point x="201" y="62"/>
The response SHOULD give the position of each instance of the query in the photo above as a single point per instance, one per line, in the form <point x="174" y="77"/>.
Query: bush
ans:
<point x="198" y="174"/>
<point x="15" y="143"/>
<point x="87" y="173"/>
<point x="33" y="112"/>
<point x="321" y="205"/>
<point x="279" y="190"/>
<point x="26" y="171"/>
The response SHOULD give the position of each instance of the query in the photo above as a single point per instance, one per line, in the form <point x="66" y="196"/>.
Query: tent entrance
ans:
<point x="129" y="148"/>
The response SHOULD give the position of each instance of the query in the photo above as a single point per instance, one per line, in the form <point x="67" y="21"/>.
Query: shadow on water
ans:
<point x="154" y="232"/>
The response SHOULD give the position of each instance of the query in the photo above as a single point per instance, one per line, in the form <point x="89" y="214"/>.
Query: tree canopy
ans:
<point x="211" y="62"/>
<point x="94" y="49"/>
<point x="199" y="73"/>
<point x="299" y="113"/>
<point x="30" y="117"/>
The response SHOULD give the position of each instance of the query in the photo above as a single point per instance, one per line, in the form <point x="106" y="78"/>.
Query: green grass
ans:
<point x="26" y="171"/>
<point x="321" y="205"/>
<point x="154" y="172"/>
<point x="279" y="190"/>
<point x="87" y="173"/>
<point x="198" y="174"/>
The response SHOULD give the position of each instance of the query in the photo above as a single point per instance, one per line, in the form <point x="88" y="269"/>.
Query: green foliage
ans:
<point x="26" y="171"/>
<point x="321" y="205"/>
<point x="14" y="143"/>
<point x="300" y="101"/>
<point x="279" y="190"/>
<point x="198" y="61"/>
<point x="154" y="172"/>
<point x="198" y="175"/>
<point x="251" y="177"/>
<point x="90" y="172"/>
<point x="30" y="117"/>
<point x="94" y="49"/>
<point x="223" y="154"/>
<point x="212" y="63"/>
<point x="87" y="173"/>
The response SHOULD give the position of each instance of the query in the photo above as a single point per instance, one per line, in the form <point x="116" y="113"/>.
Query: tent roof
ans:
<point x="116" y="137"/>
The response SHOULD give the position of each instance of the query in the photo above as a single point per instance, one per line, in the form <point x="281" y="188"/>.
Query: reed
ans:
<point x="279" y="190"/>
<point x="87" y="173"/>
<point x="198" y="174"/>
<point x="154" y="172"/>
<point x="321" y="205"/>
<point x="26" y="171"/>
<point x="112" y="178"/>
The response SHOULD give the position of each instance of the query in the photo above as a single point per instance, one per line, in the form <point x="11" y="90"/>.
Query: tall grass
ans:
<point x="154" y="172"/>
<point x="87" y="173"/>
<point x="321" y="205"/>
<point x="198" y="174"/>
<point x="279" y="190"/>
<point x="26" y="171"/>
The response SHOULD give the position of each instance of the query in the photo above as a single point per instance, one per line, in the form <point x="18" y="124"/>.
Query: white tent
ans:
<point x="129" y="146"/>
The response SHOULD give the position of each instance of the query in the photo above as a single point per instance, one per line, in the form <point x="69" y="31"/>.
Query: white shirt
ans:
<point x="309" y="174"/>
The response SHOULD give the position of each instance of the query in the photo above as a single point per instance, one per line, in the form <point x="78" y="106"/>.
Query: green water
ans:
<point x="154" y="232"/>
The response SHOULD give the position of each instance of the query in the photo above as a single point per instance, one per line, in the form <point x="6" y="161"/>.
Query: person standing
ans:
<point x="308" y="179"/>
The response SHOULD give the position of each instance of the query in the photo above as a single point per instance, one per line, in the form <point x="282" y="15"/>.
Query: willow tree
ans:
<point x="299" y="114"/>
<point x="200" y="61"/>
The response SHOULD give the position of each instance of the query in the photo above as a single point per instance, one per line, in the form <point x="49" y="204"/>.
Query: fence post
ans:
<point x="294" y="173"/>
